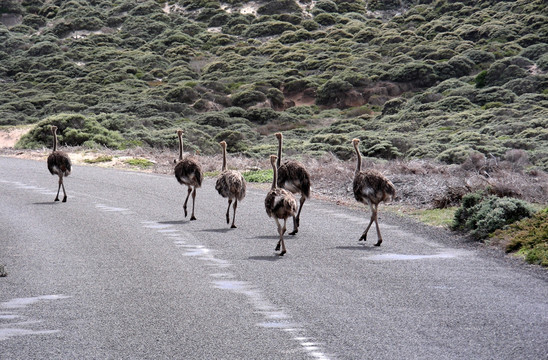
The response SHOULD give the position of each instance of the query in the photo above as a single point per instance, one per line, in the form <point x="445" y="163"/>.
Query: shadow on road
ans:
<point x="268" y="237"/>
<point x="357" y="247"/>
<point x="173" y="222"/>
<point x="221" y="230"/>
<point x="273" y="257"/>
<point x="45" y="203"/>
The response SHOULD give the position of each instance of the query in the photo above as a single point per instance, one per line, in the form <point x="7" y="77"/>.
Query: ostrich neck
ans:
<point x="359" y="162"/>
<point x="54" y="141"/>
<point x="275" y="176"/>
<point x="224" y="159"/>
<point x="180" y="147"/>
<point x="279" y="161"/>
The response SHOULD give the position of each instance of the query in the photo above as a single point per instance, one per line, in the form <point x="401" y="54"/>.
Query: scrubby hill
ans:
<point x="426" y="79"/>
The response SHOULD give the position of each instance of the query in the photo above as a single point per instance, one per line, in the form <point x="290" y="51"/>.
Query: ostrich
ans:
<point x="293" y="176"/>
<point x="59" y="164"/>
<point x="279" y="204"/>
<point x="230" y="184"/>
<point x="371" y="187"/>
<point x="188" y="172"/>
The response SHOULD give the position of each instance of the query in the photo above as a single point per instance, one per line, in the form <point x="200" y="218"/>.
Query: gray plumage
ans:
<point x="59" y="164"/>
<point x="293" y="177"/>
<point x="188" y="172"/>
<point x="230" y="184"/>
<point x="279" y="204"/>
<point x="371" y="187"/>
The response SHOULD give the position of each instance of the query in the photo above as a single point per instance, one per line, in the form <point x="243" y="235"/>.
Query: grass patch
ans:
<point x="527" y="238"/>
<point x="99" y="159"/>
<point x="434" y="217"/>
<point x="212" y="174"/>
<point x="258" y="176"/>
<point x="139" y="162"/>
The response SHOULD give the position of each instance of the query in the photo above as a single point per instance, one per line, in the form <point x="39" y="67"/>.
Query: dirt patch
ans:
<point x="10" y="135"/>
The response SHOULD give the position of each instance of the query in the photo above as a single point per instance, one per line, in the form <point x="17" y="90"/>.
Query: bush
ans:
<point x="74" y="130"/>
<point x="269" y="28"/>
<point x="332" y="91"/>
<point x="502" y="71"/>
<point x="528" y="237"/>
<point x="278" y="7"/>
<point x="481" y="216"/>
<point x="494" y="94"/>
<point x="182" y="94"/>
<point x="261" y="116"/>
<point x="325" y="19"/>
<point x="534" y="52"/>
<point x="247" y="98"/>
<point x="418" y="73"/>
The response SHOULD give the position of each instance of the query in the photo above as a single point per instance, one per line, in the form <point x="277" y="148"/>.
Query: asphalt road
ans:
<point x="117" y="272"/>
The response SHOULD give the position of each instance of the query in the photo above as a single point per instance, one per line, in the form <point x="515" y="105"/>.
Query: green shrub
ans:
<point x="325" y="19"/>
<point x="74" y="130"/>
<point x="455" y="155"/>
<point x="269" y="28"/>
<point x="528" y="237"/>
<point x="393" y="106"/>
<point x="99" y="159"/>
<point x="481" y="216"/>
<point x="480" y="79"/>
<point x="261" y="116"/>
<point x="494" y="93"/>
<point x="215" y="119"/>
<point x="332" y="91"/>
<point x="420" y="73"/>
<point x="247" y="98"/>
<point x="331" y="139"/>
<point x="235" y="140"/>
<point x="327" y="6"/>
<point x="182" y="94"/>
<point x="502" y="71"/>
<point x="278" y="7"/>
<point x="139" y="162"/>
<point x="310" y="25"/>
<point x="258" y="176"/>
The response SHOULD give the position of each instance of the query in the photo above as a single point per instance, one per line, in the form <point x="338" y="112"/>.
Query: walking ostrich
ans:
<point x="293" y="176"/>
<point x="279" y="204"/>
<point x="59" y="164"/>
<point x="372" y="188"/>
<point x="188" y="172"/>
<point x="230" y="184"/>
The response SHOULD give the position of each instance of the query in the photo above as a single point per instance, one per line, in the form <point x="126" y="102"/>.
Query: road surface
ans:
<point x="117" y="272"/>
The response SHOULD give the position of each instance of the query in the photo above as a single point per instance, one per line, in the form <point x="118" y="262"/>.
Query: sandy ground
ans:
<point x="10" y="135"/>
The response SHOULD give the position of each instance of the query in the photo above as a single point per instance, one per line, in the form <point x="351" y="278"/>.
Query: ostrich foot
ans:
<point x="294" y="232"/>
<point x="192" y="217"/>
<point x="233" y="226"/>
<point x="277" y="247"/>
<point x="65" y="199"/>
<point x="378" y="242"/>
<point x="186" y="213"/>
<point x="56" y="199"/>
<point x="282" y="253"/>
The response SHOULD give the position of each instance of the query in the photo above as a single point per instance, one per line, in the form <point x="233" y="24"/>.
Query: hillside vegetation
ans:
<point x="411" y="79"/>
